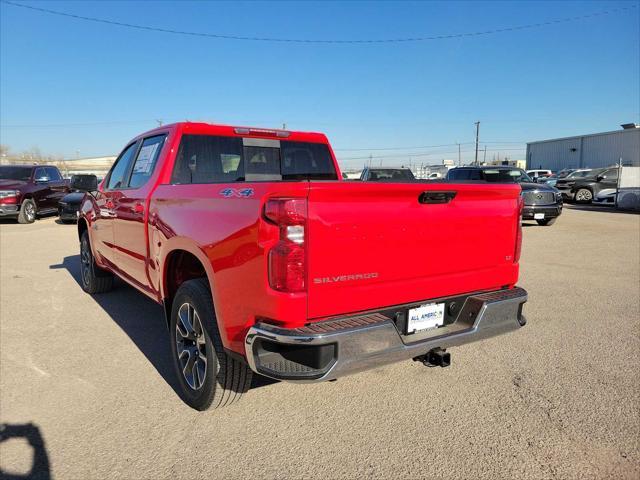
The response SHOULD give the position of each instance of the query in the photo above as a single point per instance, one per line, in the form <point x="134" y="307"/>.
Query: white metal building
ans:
<point x="587" y="151"/>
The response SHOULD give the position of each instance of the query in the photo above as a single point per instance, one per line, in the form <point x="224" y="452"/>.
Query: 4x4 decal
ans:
<point x="233" y="192"/>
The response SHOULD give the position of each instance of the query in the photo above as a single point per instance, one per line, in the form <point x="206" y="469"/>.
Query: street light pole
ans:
<point x="477" y="135"/>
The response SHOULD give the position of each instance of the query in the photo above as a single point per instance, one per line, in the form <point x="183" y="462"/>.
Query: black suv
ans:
<point x="542" y="203"/>
<point x="584" y="190"/>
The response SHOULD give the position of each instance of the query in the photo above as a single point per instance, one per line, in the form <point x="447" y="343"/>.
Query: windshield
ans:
<point x="504" y="175"/>
<point x="15" y="173"/>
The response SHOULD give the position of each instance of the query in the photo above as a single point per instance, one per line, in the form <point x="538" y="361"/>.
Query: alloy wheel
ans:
<point x="583" y="195"/>
<point x="85" y="262"/>
<point x="30" y="211"/>
<point x="191" y="346"/>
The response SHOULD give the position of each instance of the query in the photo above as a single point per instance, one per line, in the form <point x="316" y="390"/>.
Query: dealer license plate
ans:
<point x="538" y="216"/>
<point x="425" y="317"/>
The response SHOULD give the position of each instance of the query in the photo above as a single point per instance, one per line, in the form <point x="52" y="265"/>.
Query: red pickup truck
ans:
<point x="267" y="261"/>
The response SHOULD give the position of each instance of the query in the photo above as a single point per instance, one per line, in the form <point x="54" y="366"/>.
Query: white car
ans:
<point x="535" y="174"/>
<point x="607" y="195"/>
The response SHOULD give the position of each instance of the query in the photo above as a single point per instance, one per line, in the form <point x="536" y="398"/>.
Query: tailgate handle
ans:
<point x="436" y="196"/>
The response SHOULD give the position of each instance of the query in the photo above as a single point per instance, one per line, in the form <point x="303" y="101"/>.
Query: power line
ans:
<point x="397" y="148"/>
<point x="320" y="41"/>
<point x="86" y="124"/>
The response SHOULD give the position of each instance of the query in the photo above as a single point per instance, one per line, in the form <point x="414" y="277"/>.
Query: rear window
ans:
<point x="214" y="159"/>
<point x="391" y="174"/>
<point x="15" y="173"/>
<point x="504" y="175"/>
<point x="463" y="174"/>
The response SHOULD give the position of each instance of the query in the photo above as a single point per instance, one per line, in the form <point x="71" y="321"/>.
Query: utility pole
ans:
<point x="459" y="158"/>
<point x="370" y="160"/>
<point x="284" y="126"/>
<point x="485" y="155"/>
<point x="159" y="122"/>
<point x="477" y="135"/>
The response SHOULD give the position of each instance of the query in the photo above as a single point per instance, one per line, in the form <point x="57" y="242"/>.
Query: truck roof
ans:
<point x="202" y="128"/>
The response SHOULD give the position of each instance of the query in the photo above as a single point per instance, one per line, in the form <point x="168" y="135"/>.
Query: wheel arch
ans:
<point x="82" y="227"/>
<point x="180" y="264"/>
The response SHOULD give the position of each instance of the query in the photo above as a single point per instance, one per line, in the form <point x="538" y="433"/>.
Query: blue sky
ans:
<point x="559" y="80"/>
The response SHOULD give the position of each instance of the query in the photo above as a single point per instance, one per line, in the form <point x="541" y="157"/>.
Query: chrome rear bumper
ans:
<point x="334" y="348"/>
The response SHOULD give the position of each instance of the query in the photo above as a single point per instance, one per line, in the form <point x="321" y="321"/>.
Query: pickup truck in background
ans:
<point x="266" y="261"/>
<point x="27" y="191"/>
<point x="381" y="174"/>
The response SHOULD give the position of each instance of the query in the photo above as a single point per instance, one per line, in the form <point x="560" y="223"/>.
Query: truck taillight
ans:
<point x="287" y="259"/>
<point x="9" y="196"/>
<point x="518" y="249"/>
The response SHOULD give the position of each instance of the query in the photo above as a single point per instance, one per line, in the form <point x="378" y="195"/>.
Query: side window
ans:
<point x="208" y="159"/>
<point x="611" y="174"/>
<point x="53" y="174"/>
<point x="146" y="160"/>
<point x="121" y="167"/>
<point x="41" y="174"/>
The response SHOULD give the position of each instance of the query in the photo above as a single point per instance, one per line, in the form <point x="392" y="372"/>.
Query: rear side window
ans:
<point x="212" y="159"/>
<point x="121" y="167"/>
<point x="208" y="159"/>
<point x="146" y="160"/>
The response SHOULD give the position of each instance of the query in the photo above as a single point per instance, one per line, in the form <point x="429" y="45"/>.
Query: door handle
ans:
<point x="436" y="196"/>
<point x="137" y="208"/>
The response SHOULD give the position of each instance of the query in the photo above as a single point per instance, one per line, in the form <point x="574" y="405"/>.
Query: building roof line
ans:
<point x="587" y="135"/>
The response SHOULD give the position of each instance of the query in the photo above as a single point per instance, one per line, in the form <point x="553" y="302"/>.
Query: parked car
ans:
<point x="541" y="202"/>
<point x="27" y="191"/>
<point x="565" y="184"/>
<point x="69" y="205"/>
<point x="550" y="181"/>
<point x="537" y="174"/>
<point x="585" y="189"/>
<point x="607" y="195"/>
<point x="266" y="261"/>
<point x="386" y="175"/>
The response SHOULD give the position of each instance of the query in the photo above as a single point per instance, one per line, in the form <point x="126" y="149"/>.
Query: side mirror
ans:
<point x="599" y="178"/>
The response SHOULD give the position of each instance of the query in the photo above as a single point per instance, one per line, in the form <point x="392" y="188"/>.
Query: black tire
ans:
<point x="217" y="380"/>
<point x="28" y="211"/>
<point x="547" y="221"/>
<point x="92" y="278"/>
<point x="583" y="195"/>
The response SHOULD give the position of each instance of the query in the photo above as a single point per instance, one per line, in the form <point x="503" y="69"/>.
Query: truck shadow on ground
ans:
<point x="143" y="321"/>
<point x="40" y="466"/>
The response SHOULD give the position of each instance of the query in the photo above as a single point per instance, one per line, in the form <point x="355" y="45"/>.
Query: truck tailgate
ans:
<point x="373" y="245"/>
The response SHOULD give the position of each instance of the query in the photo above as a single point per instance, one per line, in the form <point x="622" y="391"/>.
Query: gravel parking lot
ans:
<point x="558" y="399"/>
